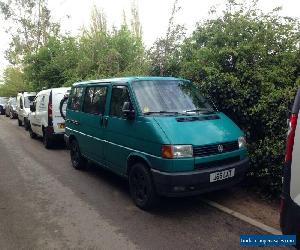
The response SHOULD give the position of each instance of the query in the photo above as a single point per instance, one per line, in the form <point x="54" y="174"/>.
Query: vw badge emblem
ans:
<point x="220" y="148"/>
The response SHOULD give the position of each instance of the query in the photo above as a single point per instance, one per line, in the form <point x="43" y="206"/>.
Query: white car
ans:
<point x="45" y="118"/>
<point x="290" y="198"/>
<point x="24" y="100"/>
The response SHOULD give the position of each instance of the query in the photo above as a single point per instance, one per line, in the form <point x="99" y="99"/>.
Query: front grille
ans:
<point x="214" y="149"/>
<point x="218" y="163"/>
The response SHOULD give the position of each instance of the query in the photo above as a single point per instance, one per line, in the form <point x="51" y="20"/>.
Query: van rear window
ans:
<point x="74" y="99"/>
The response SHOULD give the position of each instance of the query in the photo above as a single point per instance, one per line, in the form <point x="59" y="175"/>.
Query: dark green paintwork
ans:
<point x="113" y="145"/>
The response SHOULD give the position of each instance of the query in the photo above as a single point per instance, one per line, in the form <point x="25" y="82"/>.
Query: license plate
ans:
<point x="222" y="175"/>
<point x="61" y="125"/>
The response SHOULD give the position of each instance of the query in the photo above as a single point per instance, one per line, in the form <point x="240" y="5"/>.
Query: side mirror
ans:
<point x="32" y="107"/>
<point x="127" y="111"/>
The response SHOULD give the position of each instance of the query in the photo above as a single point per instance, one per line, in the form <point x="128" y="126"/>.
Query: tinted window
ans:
<point x="75" y="98"/>
<point x="118" y="97"/>
<point x="94" y="100"/>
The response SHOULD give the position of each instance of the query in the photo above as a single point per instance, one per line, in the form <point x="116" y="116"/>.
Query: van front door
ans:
<point x="120" y="133"/>
<point x="91" y="123"/>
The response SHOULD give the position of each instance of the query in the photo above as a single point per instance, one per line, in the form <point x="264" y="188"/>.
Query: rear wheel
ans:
<point x="142" y="188"/>
<point x="78" y="161"/>
<point x="47" y="140"/>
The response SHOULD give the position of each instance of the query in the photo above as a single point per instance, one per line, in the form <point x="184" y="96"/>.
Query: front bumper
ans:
<point x="198" y="181"/>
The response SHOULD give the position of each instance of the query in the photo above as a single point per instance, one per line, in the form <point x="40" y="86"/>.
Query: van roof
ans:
<point x="53" y="89"/>
<point x="126" y="79"/>
<point x="27" y="93"/>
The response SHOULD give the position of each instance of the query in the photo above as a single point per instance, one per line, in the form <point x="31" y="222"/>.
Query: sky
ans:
<point x="154" y="15"/>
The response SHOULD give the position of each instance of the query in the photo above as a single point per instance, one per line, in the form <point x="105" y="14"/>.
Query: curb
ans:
<point x="242" y="217"/>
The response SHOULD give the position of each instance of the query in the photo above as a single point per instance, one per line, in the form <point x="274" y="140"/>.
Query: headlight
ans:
<point x="242" y="142"/>
<point x="176" y="151"/>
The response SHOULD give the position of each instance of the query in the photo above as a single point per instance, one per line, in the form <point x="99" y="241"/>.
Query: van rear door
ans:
<point x="58" y="121"/>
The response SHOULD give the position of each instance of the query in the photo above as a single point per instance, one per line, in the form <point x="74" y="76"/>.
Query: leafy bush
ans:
<point x="248" y="62"/>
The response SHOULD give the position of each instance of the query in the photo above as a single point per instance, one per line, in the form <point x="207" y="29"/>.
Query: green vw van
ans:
<point x="159" y="132"/>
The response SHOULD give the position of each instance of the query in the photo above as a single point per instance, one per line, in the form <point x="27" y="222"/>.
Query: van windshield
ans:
<point x="28" y="100"/>
<point x="170" y="97"/>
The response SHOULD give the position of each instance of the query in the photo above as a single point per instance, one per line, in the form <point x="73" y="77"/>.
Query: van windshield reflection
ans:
<point x="170" y="97"/>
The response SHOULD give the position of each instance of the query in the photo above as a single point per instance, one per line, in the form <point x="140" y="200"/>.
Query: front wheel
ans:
<point x="78" y="161"/>
<point x="142" y="188"/>
<point x="19" y="122"/>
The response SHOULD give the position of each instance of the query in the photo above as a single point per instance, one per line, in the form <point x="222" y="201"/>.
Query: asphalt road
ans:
<point x="46" y="204"/>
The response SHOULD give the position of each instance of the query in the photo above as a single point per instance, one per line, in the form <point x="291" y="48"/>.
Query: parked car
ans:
<point x="3" y="101"/>
<point x="45" y="119"/>
<point x="290" y="198"/>
<point x="24" y="100"/>
<point x="10" y="108"/>
<point x="156" y="131"/>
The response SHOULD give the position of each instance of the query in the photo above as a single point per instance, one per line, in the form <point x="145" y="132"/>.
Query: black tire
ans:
<point x="142" y="188"/>
<point x="19" y="122"/>
<point x="78" y="161"/>
<point x="47" y="140"/>
<point x="61" y="104"/>
<point x="26" y="124"/>
<point x="31" y="133"/>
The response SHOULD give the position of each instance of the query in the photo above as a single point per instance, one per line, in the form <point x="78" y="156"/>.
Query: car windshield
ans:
<point x="13" y="101"/>
<point x="170" y="97"/>
<point x="28" y="100"/>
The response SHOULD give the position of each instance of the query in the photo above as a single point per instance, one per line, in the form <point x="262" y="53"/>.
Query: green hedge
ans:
<point x="249" y="63"/>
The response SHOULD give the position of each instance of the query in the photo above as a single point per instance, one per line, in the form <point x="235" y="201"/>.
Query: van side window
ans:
<point x="41" y="103"/>
<point x="21" y="103"/>
<point x="94" y="100"/>
<point x="119" y="95"/>
<point x="75" y="97"/>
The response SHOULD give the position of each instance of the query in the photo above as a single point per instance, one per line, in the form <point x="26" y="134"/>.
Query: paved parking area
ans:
<point x="45" y="203"/>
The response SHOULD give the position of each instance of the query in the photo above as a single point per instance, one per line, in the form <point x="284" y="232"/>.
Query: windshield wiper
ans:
<point x="201" y="111"/>
<point x="161" y="112"/>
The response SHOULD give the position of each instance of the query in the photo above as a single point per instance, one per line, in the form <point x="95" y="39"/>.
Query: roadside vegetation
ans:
<point x="247" y="61"/>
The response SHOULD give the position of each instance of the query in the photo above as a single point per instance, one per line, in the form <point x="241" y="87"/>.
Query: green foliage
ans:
<point x="13" y="82"/>
<point x="29" y="25"/>
<point x="96" y="53"/>
<point x="248" y="62"/>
